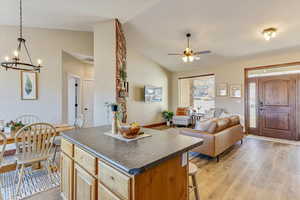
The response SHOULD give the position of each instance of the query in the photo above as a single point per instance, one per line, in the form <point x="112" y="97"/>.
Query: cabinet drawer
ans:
<point x="116" y="181"/>
<point x="67" y="147"/>
<point x="105" y="194"/>
<point x="86" y="160"/>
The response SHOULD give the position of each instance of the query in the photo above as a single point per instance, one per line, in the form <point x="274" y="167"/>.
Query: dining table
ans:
<point x="59" y="129"/>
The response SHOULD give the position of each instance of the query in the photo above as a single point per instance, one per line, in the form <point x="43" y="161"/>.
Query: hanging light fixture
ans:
<point x="16" y="61"/>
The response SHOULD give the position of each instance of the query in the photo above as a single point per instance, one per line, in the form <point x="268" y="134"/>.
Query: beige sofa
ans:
<point x="224" y="133"/>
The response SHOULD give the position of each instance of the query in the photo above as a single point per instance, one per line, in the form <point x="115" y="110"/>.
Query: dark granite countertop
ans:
<point x="135" y="156"/>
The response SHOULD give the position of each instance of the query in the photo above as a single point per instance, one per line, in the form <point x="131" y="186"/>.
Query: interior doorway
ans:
<point x="272" y="101"/>
<point x="73" y="98"/>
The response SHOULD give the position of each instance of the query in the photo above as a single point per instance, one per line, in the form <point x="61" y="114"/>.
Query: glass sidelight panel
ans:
<point x="252" y="105"/>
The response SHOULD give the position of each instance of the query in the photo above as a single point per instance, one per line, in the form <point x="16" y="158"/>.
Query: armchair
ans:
<point x="182" y="117"/>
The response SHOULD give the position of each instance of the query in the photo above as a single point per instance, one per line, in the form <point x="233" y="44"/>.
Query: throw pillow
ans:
<point x="234" y="120"/>
<point x="222" y="124"/>
<point x="224" y="115"/>
<point x="206" y="126"/>
<point x="182" y="111"/>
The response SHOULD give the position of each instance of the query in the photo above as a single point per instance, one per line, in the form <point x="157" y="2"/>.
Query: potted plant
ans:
<point x="168" y="116"/>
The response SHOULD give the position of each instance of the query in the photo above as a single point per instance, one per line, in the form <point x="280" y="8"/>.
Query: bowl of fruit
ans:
<point x="130" y="131"/>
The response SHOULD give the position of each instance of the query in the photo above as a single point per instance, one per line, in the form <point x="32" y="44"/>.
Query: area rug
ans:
<point x="33" y="182"/>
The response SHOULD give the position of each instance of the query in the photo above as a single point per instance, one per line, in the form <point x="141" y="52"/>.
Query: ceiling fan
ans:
<point x="189" y="55"/>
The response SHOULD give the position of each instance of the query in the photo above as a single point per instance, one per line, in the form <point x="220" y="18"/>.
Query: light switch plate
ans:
<point x="184" y="159"/>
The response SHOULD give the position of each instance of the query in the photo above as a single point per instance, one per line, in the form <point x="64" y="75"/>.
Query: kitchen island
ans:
<point x="97" y="166"/>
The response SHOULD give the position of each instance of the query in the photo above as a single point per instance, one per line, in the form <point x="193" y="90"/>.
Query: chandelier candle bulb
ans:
<point x="16" y="53"/>
<point x="39" y="61"/>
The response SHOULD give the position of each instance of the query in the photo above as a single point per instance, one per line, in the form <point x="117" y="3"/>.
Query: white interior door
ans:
<point x="73" y="99"/>
<point x="88" y="102"/>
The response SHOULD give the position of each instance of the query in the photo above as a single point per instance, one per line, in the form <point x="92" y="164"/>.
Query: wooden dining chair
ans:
<point x="2" y="147"/>
<point x="28" y="119"/>
<point x="33" y="144"/>
<point x="2" y="150"/>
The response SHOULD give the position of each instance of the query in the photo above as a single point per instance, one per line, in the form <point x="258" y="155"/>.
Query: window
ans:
<point x="197" y="92"/>
<point x="252" y="105"/>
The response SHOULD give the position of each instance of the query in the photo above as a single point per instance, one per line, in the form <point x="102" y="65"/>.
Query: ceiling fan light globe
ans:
<point x="191" y="58"/>
<point x="185" y="59"/>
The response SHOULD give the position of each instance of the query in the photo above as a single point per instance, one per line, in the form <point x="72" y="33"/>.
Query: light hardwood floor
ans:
<point x="256" y="170"/>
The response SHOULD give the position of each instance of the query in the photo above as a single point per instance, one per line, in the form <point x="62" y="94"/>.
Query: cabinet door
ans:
<point x="66" y="169"/>
<point x="84" y="184"/>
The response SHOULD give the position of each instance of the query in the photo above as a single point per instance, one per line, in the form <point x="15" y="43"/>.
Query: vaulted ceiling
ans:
<point x="231" y="29"/>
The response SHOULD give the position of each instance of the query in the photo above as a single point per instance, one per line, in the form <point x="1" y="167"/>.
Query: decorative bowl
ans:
<point x="129" y="132"/>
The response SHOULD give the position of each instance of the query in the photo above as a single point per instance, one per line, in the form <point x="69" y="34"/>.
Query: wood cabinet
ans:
<point x="116" y="181"/>
<point x="86" y="159"/>
<point x="86" y="177"/>
<point x="85" y="185"/>
<point x="66" y="167"/>
<point x="105" y="194"/>
<point x="67" y="148"/>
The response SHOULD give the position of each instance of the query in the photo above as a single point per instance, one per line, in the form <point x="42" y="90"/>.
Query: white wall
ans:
<point x="141" y="72"/>
<point x="47" y="45"/>
<point x="234" y="73"/>
<point x="105" y="69"/>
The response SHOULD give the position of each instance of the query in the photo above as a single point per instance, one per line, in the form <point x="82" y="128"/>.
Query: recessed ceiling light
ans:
<point x="269" y="33"/>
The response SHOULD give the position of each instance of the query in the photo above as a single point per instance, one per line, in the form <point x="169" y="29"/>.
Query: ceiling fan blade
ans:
<point x="202" y="52"/>
<point x="174" y="54"/>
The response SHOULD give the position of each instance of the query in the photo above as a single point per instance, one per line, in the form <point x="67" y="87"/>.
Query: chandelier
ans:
<point x="16" y="62"/>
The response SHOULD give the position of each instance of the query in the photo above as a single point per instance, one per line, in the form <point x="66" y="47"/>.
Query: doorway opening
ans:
<point x="77" y="89"/>
<point x="272" y="101"/>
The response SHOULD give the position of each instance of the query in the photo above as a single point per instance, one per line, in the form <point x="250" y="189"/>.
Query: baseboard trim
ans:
<point x="155" y="125"/>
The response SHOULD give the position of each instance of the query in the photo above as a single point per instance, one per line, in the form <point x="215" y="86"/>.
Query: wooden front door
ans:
<point x="277" y="106"/>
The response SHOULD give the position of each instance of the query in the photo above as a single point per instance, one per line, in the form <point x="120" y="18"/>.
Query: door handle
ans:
<point x="85" y="109"/>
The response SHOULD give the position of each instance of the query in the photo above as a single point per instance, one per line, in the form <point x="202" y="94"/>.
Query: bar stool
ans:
<point x="193" y="169"/>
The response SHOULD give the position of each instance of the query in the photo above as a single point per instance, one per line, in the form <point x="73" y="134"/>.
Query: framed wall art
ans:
<point x="222" y="90"/>
<point x="29" y="85"/>
<point x="235" y="90"/>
